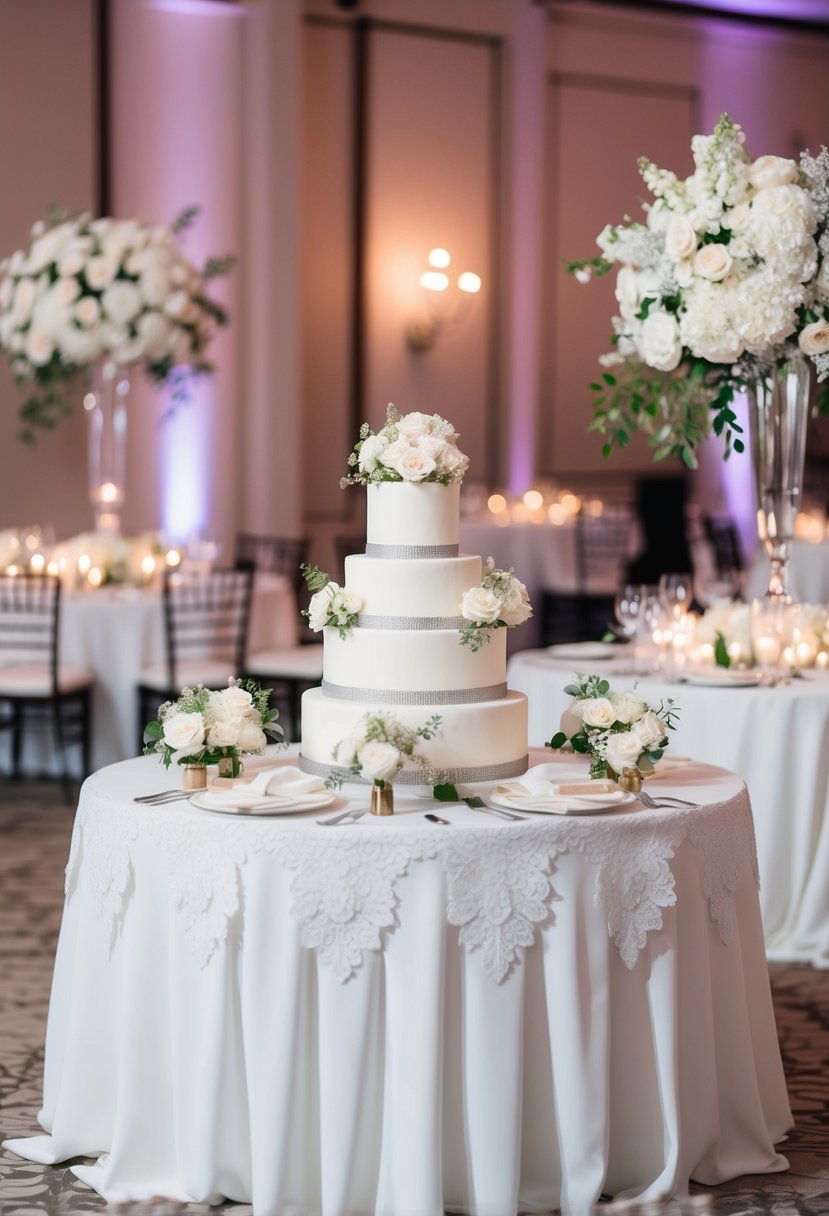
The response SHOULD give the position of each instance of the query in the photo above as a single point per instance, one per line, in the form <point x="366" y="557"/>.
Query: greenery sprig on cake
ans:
<point x="381" y="745"/>
<point x="410" y="447"/>
<point x="501" y="601"/>
<point x="331" y="605"/>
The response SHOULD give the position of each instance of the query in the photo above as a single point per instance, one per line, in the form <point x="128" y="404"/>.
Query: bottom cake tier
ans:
<point x="481" y="742"/>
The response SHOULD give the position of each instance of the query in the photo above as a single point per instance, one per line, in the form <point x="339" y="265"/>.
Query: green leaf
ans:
<point x="603" y="688"/>
<point x="580" y="744"/>
<point x="446" y="792"/>
<point x="558" y="740"/>
<point x="721" y="655"/>
<point x="572" y="690"/>
<point x="608" y="378"/>
<point x="152" y="732"/>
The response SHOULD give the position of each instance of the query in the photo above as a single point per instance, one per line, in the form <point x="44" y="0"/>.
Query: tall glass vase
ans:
<point x="779" y="403"/>
<point x="105" y="404"/>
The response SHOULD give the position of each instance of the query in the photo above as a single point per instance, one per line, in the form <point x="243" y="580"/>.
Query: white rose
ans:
<point x="379" y="761"/>
<point x="598" y="711"/>
<point x="100" y="272"/>
<point x="232" y="703"/>
<point x="768" y="171"/>
<point x="737" y="219"/>
<point x="223" y="734"/>
<point x="121" y="302"/>
<point x="320" y="606"/>
<point x="649" y="730"/>
<point x="39" y="348"/>
<point x="622" y="751"/>
<point x="660" y="342"/>
<point x="348" y="603"/>
<point x="80" y="346"/>
<point x="6" y="291"/>
<point x="684" y="273"/>
<point x="154" y="331"/>
<point x="371" y="450"/>
<point x="24" y="298"/>
<point x="680" y="238"/>
<point x="481" y="606"/>
<point x="87" y="310"/>
<point x="71" y="263"/>
<point x="712" y="262"/>
<point x="415" y="465"/>
<point x="182" y="732"/>
<point x="814" y="339"/>
<point x="414" y="426"/>
<point x="515" y="606"/>
<point x="393" y="452"/>
<point x="450" y="460"/>
<point x="628" y="706"/>
<point x="176" y="304"/>
<point x="251" y="737"/>
<point x="348" y="750"/>
<point x="628" y="292"/>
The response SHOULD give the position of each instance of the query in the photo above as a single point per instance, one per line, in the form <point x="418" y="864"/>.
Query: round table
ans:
<point x="399" y="1017"/>
<point x="775" y="738"/>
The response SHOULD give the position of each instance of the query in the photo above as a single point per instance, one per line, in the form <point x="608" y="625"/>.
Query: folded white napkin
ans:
<point x="286" y="780"/>
<point x="544" y="788"/>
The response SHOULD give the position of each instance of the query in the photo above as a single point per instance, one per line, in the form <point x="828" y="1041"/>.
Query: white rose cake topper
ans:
<point x="410" y="447"/>
<point x="726" y="279"/>
<point x="93" y="289"/>
<point x="616" y="730"/>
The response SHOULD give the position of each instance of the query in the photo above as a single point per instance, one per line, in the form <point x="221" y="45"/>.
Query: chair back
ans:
<point x="206" y="616"/>
<point x="724" y="539"/>
<point x="274" y="554"/>
<point x="603" y="544"/>
<point x="29" y="614"/>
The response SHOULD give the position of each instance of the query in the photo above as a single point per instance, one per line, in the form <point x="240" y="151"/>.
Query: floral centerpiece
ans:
<point x="330" y="605"/>
<point x="377" y="751"/>
<point x="616" y="730"/>
<point x="501" y="601"/>
<point x="725" y="279"/>
<point x="410" y="447"/>
<point x="206" y="727"/>
<point x="91" y="290"/>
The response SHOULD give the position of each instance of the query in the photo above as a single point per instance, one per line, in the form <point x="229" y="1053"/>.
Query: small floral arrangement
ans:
<point x="410" y="447"/>
<point x="89" y="289"/>
<point x="205" y="727"/>
<point x="617" y="730"/>
<point x="330" y="604"/>
<point x="381" y="746"/>
<point x="727" y="278"/>
<point x="500" y="601"/>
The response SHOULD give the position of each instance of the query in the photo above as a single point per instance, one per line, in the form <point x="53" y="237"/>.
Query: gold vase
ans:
<point x="382" y="800"/>
<point x="230" y="766"/>
<point x="194" y="777"/>
<point x="631" y="780"/>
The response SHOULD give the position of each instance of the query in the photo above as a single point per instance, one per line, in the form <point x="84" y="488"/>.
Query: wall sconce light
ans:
<point x="447" y="304"/>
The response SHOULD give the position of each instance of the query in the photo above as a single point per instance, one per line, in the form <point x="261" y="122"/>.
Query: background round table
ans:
<point x="398" y="1017"/>
<point x="775" y="738"/>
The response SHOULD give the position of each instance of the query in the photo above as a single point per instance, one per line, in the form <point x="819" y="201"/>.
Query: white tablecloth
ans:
<point x="398" y="1018"/>
<point x="775" y="738"/>
<point x="809" y="572"/>
<point x="116" y="632"/>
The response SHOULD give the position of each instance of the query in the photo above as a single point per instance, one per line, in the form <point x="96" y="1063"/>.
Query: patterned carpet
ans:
<point x="34" y="839"/>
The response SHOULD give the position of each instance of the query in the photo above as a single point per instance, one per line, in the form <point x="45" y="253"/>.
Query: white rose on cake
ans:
<point x="371" y="450"/>
<point x="320" y="606"/>
<point x="415" y="465"/>
<point x="481" y="606"/>
<point x="515" y="605"/>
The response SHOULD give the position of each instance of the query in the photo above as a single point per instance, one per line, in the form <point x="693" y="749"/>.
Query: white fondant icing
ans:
<point x="409" y="587"/>
<point x="412" y="660"/>
<point x="494" y="732"/>
<point x="412" y="513"/>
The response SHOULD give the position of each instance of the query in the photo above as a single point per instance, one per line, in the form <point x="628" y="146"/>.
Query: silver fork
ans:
<point x="346" y="816"/>
<point x="164" y="796"/>
<point x="666" y="801"/>
<point x="478" y="804"/>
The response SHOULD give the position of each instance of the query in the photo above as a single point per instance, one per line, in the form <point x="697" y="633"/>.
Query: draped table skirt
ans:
<point x="399" y="1018"/>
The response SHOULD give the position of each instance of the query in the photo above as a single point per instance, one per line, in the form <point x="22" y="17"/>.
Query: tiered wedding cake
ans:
<point x="409" y="595"/>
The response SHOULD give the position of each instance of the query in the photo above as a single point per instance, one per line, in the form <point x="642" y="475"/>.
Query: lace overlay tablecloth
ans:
<point x="397" y="1018"/>
<point x="500" y="882"/>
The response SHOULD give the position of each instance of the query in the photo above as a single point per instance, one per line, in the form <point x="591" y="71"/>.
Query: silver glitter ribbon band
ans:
<point x="483" y="772"/>
<point x="409" y="622"/>
<point x="408" y="696"/>
<point x="418" y="552"/>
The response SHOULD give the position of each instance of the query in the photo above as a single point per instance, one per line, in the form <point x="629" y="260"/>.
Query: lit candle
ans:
<point x="84" y="562"/>
<point x="766" y="650"/>
<point x="53" y="568"/>
<point x="706" y="652"/>
<point x="173" y="558"/>
<point x="148" y="565"/>
<point x="804" y="653"/>
<point x="497" y="503"/>
<point x="95" y="577"/>
<point x="37" y="563"/>
<point x="788" y="656"/>
<point x="533" y="500"/>
<point x="822" y="659"/>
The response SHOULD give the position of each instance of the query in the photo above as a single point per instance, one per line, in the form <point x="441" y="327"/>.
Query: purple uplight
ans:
<point x="790" y="10"/>
<point x="183" y="458"/>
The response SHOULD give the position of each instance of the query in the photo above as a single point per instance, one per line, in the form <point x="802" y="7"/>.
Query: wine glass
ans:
<point x="712" y="584"/>
<point x="626" y="608"/>
<point x="675" y="592"/>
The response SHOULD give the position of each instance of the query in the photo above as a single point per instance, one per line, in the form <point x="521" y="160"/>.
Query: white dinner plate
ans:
<point x="266" y="805"/>
<point x="725" y="678"/>
<point x="583" y="650"/>
<point x="578" y="806"/>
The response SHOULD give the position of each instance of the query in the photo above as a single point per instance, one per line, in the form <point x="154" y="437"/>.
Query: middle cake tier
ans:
<point x="413" y="666"/>
<point x="411" y="587"/>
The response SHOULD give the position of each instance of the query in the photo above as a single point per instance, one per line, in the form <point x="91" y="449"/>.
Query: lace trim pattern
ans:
<point x="500" y="880"/>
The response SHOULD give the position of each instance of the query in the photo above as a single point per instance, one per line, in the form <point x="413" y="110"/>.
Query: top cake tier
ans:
<point x="412" y="519"/>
